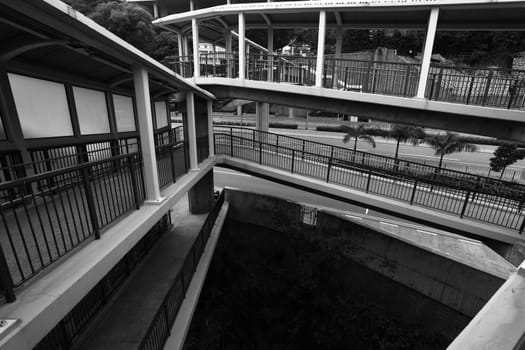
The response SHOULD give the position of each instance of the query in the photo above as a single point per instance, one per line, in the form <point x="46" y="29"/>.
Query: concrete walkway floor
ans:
<point x="124" y="323"/>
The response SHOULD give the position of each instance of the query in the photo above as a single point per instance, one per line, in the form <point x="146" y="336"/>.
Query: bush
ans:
<point x="283" y="125"/>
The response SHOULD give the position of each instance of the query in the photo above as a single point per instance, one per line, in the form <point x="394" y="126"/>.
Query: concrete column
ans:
<point x="242" y="50"/>
<point x="200" y="196"/>
<point x="192" y="5"/>
<point x="180" y="44"/>
<point x="320" y="49"/>
<point x="196" y="54"/>
<point x="427" y="51"/>
<point x="270" y="53"/>
<point x="228" y="47"/>
<point x="263" y="116"/>
<point x="155" y="11"/>
<point x="209" y="105"/>
<point x="192" y="132"/>
<point x="185" y="45"/>
<point x="338" y="51"/>
<point x="142" y="97"/>
<point x="290" y="112"/>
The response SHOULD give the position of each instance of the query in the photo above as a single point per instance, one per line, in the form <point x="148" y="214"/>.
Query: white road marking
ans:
<point x="230" y="173"/>
<point x="424" y="156"/>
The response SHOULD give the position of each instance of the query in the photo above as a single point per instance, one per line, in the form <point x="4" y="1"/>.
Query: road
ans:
<point x="473" y="162"/>
<point x="234" y="179"/>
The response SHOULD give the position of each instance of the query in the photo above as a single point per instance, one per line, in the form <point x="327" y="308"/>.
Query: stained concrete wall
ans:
<point x="412" y="282"/>
<point x="201" y="129"/>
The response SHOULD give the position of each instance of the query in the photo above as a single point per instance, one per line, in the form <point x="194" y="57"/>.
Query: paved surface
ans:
<point x="484" y="208"/>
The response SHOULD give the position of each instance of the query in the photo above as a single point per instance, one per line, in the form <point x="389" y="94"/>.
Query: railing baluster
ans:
<point x="413" y="193"/>
<point x="90" y="202"/>
<point x="465" y="204"/>
<point x="293" y="160"/>
<point x="487" y="88"/>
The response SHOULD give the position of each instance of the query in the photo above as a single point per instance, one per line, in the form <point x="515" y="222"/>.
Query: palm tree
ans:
<point x="405" y="133"/>
<point x="357" y="133"/>
<point x="448" y="143"/>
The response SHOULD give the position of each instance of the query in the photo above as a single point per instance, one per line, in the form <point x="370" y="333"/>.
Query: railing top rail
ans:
<point x="507" y="184"/>
<point x="47" y="174"/>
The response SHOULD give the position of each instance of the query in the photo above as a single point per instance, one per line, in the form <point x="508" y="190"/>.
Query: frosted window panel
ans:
<point x="2" y="131"/>
<point x="124" y="113"/>
<point x="91" y="110"/>
<point x="161" y="114"/>
<point x="41" y="106"/>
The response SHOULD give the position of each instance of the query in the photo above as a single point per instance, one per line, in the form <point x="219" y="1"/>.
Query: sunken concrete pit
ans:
<point x="286" y="275"/>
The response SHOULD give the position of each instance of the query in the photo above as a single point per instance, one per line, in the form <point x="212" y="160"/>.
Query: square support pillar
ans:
<point x="192" y="133"/>
<point x="200" y="196"/>
<point x="242" y="47"/>
<point x="147" y="144"/>
<point x="320" y="49"/>
<point x="263" y="116"/>
<point x="427" y="51"/>
<point x="209" y="104"/>
<point x="196" y="53"/>
<point x="270" y="54"/>
<point x="338" y="53"/>
<point x="228" y="48"/>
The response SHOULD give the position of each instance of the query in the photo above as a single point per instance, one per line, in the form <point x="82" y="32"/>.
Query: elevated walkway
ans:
<point x="148" y="304"/>
<point x="482" y="120"/>
<point x="449" y="201"/>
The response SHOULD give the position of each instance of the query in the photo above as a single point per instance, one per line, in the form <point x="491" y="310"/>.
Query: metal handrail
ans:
<point x="486" y="203"/>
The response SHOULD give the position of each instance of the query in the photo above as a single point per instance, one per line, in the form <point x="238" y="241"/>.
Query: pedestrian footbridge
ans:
<point x="381" y="85"/>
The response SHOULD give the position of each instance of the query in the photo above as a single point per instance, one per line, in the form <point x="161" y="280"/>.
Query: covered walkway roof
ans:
<point x="50" y="34"/>
<point x="356" y="14"/>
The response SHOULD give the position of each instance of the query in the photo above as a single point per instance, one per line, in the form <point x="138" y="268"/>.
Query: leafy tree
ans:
<point x="357" y="133"/>
<point x="505" y="155"/>
<point x="130" y="22"/>
<point x="448" y="143"/>
<point x="405" y="133"/>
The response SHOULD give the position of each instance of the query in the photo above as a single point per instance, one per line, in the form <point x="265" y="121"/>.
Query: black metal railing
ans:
<point x="46" y="215"/>
<point x="498" y="88"/>
<point x="484" y="199"/>
<point x="502" y="88"/>
<point x="159" y="329"/>
<point x="171" y="154"/>
<point x="67" y="331"/>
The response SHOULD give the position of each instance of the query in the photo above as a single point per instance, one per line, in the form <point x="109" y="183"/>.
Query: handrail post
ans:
<point x="293" y="160"/>
<point x="407" y="79"/>
<point x="368" y="181"/>
<point x="6" y="282"/>
<point x="487" y="88"/>
<point x="134" y="182"/>
<point x="413" y="193"/>
<point x="465" y="204"/>
<point x="231" y="141"/>
<point x="260" y="151"/>
<point x="90" y="202"/>
<point x="329" y="164"/>
<point x="470" y="89"/>
<point x="172" y="159"/>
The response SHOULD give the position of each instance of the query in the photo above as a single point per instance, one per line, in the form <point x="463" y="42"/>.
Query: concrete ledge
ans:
<point x="49" y="297"/>
<point x="394" y="101"/>
<point x="182" y="323"/>
<point x="432" y="218"/>
<point x="500" y="324"/>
